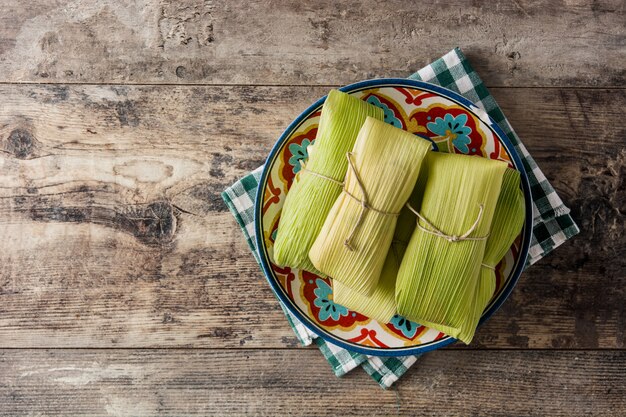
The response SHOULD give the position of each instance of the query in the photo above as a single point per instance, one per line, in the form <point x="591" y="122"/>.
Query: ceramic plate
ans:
<point x="452" y="124"/>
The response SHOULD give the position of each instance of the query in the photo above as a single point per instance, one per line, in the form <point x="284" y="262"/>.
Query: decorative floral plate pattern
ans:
<point x="452" y="124"/>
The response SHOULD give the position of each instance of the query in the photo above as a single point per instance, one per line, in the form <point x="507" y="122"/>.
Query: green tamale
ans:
<point x="356" y="236"/>
<point x="316" y="188"/>
<point x="507" y="223"/>
<point x="438" y="276"/>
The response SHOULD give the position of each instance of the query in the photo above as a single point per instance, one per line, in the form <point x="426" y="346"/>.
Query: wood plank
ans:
<point x="114" y="234"/>
<point x="288" y="383"/>
<point x="511" y="43"/>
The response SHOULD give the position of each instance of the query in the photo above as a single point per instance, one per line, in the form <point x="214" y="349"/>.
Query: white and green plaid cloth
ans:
<point x="552" y="224"/>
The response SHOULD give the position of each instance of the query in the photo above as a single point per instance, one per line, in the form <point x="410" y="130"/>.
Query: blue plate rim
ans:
<point x="436" y="344"/>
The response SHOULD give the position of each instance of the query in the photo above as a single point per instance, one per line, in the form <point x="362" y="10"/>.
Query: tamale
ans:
<point x="507" y="223"/>
<point x="316" y="187"/>
<point x="356" y="236"/>
<point x="381" y="304"/>
<point x="438" y="276"/>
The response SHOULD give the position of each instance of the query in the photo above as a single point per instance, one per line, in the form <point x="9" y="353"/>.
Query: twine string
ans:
<point x="363" y="201"/>
<point x="303" y="168"/>
<point x="493" y="268"/>
<point x="431" y="229"/>
<point x="364" y="204"/>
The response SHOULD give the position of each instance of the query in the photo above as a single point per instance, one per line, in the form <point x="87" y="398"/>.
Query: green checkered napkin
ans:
<point x="552" y="224"/>
<point x="240" y="199"/>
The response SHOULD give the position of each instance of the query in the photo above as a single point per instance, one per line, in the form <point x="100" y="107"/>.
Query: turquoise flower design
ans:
<point x="390" y="117"/>
<point x="406" y="326"/>
<point x="327" y="306"/>
<point x="298" y="153"/>
<point x="453" y="128"/>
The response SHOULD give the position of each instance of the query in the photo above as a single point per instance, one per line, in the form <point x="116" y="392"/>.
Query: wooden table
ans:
<point x="125" y="285"/>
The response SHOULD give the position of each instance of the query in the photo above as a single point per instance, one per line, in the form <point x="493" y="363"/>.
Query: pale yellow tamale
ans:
<point x="381" y="304"/>
<point x="356" y="236"/>
<point x="316" y="187"/>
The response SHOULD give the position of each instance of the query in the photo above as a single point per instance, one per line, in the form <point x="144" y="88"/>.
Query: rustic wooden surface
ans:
<point x="512" y="43"/>
<point x="271" y="382"/>
<point x="125" y="286"/>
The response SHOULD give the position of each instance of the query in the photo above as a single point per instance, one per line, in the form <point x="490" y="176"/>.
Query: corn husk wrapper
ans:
<point x="381" y="304"/>
<point x="437" y="280"/>
<point x="507" y="223"/>
<point x="387" y="161"/>
<point x="311" y="197"/>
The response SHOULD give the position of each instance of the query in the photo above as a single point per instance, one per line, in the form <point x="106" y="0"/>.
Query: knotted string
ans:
<point x="304" y="169"/>
<point x="364" y="204"/>
<point x="493" y="268"/>
<point x="450" y="238"/>
<point x="362" y="201"/>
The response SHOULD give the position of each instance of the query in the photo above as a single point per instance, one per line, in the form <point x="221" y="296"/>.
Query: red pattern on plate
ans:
<point x="308" y="290"/>
<point x="415" y="96"/>
<point x="287" y="171"/>
<point x="368" y="338"/>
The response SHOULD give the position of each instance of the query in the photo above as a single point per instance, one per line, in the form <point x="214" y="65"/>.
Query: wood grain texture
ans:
<point x="114" y="234"/>
<point x="511" y="43"/>
<point x="287" y="383"/>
